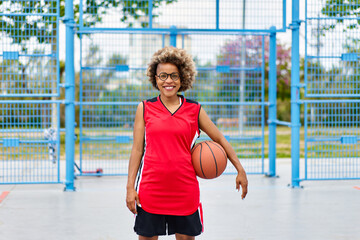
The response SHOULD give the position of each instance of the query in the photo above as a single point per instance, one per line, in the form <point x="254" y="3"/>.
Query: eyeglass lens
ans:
<point x="163" y="76"/>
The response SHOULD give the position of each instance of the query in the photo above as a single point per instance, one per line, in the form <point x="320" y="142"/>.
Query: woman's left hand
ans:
<point x="241" y="180"/>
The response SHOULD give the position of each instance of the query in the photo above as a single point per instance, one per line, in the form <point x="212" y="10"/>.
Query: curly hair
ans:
<point x="178" y="57"/>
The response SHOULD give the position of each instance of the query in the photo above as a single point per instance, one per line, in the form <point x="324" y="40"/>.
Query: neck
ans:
<point x="173" y="100"/>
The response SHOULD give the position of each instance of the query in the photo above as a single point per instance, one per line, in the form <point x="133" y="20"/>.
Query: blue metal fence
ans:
<point x="332" y="136"/>
<point x="113" y="82"/>
<point x="115" y="48"/>
<point x="29" y="48"/>
<point x="230" y="86"/>
<point x="332" y="89"/>
<point x="186" y="15"/>
<point x="332" y="49"/>
<point x="29" y="69"/>
<point x="29" y="142"/>
<point x="230" y="64"/>
<point x="226" y="39"/>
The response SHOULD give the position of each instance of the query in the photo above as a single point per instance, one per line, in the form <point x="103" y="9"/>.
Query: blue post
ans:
<point x="272" y="106"/>
<point x="284" y="15"/>
<point x="173" y="35"/>
<point x="295" y="94"/>
<point x="150" y="13"/>
<point x="69" y="96"/>
<point x="217" y="22"/>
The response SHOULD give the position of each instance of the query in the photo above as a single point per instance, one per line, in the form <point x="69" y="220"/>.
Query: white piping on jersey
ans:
<point x="194" y="140"/>
<point x="142" y="166"/>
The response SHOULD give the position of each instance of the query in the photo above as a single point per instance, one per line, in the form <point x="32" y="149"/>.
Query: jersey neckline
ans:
<point x="182" y="103"/>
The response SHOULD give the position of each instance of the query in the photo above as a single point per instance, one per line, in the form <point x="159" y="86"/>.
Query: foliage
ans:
<point x="238" y="84"/>
<point x="28" y="76"/>
<point x="231" y="54"/>
<point x="100" y="82"/>
<point x="21" y="27"/>
<point x="339" y="9"/>
<point x="203" y="90"/>
<point x="346" y="15"/>
<point x="130" y="9"/>
<point x="283" y="70"/>
<point x="39" y="25"/>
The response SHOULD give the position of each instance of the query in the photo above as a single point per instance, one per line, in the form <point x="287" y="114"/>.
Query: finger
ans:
<point x="244" y="192"/>
<point x="137" y="200"/>
<point x="133" y="209"/>
<point x="238" y="185"/>
<point x="243" y="195"/>
<point x="131" y="206"/>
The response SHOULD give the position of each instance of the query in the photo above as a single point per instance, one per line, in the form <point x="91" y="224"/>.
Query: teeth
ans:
<point x="169" y="87"/>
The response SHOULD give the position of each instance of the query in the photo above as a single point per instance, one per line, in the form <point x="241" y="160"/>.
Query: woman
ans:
<point x="166" y="195"/>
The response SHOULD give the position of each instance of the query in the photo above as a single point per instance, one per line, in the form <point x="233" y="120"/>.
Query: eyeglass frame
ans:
<point x="167" y="76"/>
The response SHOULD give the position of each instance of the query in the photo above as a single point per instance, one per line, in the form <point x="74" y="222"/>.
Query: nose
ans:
<point x="169" y="80"/>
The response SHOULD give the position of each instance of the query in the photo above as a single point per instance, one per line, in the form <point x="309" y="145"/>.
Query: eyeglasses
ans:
<point x="163" y="76"/>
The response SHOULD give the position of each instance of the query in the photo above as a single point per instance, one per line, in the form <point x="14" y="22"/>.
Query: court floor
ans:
<point x="272" y="210"/>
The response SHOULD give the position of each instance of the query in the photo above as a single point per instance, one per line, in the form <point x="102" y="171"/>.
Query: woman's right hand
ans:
<point x="132" y="199"/>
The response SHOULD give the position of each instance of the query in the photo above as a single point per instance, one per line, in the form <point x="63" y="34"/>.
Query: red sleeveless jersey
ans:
<point x="167" y="181"/>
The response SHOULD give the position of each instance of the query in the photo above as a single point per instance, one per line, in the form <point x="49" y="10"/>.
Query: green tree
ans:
<point x="339" y="9"/>
<point x="22" y="27"/>
<point x="202" y="88"/>
<point x="38" y="24"/>
<point x="346" y="19"/>
<point x="229" y="83"/>
<point x="346" y="15"/>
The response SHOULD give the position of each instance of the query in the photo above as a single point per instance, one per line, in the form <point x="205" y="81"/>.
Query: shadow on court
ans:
<point x="272" y="210"/>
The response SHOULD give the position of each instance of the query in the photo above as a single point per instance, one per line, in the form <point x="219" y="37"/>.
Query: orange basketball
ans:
<point x="209" y="159"/>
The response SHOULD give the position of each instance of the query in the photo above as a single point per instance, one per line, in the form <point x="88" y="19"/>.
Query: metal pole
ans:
<point x="69" y="96"/>
<point x="243" y="73"/>
<point x="272" y="106"/>
<point x="173" y="35"/>
<point x="150" y="6"/>
<point x="217" y="14"/>
<point x="243" y="15"/>
<point x="295" y="95"/>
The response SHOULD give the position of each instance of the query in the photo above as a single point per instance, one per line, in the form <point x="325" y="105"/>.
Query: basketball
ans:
<point x="209" y="159"/>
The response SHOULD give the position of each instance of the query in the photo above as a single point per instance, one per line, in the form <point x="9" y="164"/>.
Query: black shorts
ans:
<point x="149" y="225"/>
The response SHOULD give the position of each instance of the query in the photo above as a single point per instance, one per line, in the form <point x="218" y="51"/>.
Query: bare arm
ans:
<point x="135" y="159"/>
<point x="213" y="132"/>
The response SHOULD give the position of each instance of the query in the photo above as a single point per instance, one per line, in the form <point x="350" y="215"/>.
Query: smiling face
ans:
<point x="169" y="87"/>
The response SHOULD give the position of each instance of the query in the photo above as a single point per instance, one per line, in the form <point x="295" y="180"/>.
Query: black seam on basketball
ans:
<point x="222" y="150"/>
<point x="200" y="161"/>
<point x="214" y="158"/>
